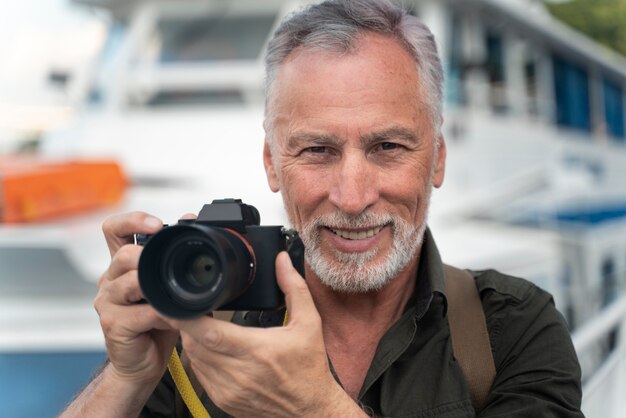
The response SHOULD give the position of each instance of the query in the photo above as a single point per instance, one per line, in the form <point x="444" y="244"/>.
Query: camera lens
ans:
<point x="192" y="268"/>
<point x="201" y="270"/>
<point x="188" y="270"/>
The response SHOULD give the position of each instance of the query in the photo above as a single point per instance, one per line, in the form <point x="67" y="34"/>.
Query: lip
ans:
<point x="354" y="245"/>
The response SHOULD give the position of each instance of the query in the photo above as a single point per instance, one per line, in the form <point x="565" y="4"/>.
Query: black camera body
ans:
<point x="223" y="260"/>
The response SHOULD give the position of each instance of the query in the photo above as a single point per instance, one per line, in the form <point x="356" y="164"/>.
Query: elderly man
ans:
<point x="353" y="143"/>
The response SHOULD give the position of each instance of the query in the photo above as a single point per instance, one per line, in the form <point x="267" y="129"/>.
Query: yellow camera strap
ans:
<point x="184" y="386"/>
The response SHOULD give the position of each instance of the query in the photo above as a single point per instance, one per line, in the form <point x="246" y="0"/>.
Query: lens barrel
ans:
<point x="186" y="270"/>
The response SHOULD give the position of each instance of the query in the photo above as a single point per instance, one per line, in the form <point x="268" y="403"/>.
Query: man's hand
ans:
<point x="277" y="372"/>
<point x="138" y="341"/>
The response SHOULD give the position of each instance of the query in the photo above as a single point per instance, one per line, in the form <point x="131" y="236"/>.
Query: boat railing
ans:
<point x="601" y="347"/>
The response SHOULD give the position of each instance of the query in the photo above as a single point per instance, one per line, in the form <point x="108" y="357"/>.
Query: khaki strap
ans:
<point x="468" y="331"/>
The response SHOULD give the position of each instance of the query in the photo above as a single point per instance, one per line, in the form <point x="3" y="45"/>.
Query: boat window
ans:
<point x="212" y="38"/>
<point x="613" y="109"/>
<point x="609" y="282"/>
<point x="454" y="76"/>
<point x="530" y="78"/>
<point x="569" y="310"/>
<point x="571" y="84"/>
<point x="116" y="35"/>
<point x="495" y="72"/>
<point x="195" y="98"/>
<point x="609" y="295"/>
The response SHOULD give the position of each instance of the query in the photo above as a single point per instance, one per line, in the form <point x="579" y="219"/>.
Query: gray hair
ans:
<point x="337" y="25"/>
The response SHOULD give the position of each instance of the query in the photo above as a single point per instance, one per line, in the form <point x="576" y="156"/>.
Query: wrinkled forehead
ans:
<point x="378" y="70"/>
<point x="384" y="48"/>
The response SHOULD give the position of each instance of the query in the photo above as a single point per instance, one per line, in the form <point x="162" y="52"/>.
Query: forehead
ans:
<point x="377" y="81"/>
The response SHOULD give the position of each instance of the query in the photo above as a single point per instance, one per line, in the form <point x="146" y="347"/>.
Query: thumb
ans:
<point x="298" y="299"/>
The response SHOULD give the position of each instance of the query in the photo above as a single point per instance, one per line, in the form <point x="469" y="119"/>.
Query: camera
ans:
<point x="223" y="260"/>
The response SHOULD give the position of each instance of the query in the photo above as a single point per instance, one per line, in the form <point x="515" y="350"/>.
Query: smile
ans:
<point x="355" y="235"/>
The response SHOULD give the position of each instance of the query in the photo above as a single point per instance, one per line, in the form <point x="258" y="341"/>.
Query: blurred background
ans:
<point x="108" y="106"/>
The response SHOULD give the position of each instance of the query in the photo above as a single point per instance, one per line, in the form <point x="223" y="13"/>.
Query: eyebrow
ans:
<point x="390" y="134"/>
<point x="308" y="138"/>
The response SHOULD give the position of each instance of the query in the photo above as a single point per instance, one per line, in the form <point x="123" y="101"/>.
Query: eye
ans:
<point x="316" y="150"/>
<point x="388" y="146"/>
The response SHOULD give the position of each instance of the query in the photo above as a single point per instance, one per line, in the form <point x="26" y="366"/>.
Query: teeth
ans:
<point x="357" y="235"/>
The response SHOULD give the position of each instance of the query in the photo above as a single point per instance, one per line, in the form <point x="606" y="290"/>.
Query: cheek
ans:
<point x="422" y="202"/>
<point x="409" y="190"/>
<point x="303" y="192"/>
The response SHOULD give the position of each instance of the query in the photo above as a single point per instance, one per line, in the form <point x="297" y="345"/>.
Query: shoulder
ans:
<point x="514" y="288"/>
<point x="512" y="299"/>
<point x="516" y="308"/>
<point x="531" y="345"/>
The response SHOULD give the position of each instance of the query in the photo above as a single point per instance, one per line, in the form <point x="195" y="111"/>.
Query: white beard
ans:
<point x="357" y="272"/>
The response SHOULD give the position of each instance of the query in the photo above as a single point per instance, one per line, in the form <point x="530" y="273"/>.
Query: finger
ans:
<point x="124" y="260"/>
<point x="144" y="318"/>
<point x="125" y="289"/>
<point x="131" y="320"/>
<point x="119" y="229"/>
<point x="298" y="299"/>
<point x="189" y="216"/>
<point x="218" y="336"/>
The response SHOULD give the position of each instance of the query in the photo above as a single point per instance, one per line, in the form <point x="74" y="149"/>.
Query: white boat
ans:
<point x="534" y="124"/>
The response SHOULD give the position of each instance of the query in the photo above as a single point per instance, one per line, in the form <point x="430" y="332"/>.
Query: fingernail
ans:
<point x="152" y="222"/>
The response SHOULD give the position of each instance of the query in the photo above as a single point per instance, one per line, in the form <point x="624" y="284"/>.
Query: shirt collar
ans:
<point x="429" y="281"/>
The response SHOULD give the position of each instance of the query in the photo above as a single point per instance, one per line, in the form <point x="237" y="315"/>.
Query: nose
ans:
<point x="355" y="186"/>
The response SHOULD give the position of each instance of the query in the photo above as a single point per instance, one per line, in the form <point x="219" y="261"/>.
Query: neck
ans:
<point x="348" y="313"/>
<point x="353" y="324"/>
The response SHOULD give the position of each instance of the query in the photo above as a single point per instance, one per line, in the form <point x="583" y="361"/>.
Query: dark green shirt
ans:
<point x="414" y="372"/>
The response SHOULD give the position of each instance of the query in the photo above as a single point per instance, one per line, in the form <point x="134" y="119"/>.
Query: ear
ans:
<point x="440" y="164"/>
<point x="270" y="170"/>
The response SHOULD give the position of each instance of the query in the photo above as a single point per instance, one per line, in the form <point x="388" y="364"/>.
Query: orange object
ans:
<point x="32" y="190"/>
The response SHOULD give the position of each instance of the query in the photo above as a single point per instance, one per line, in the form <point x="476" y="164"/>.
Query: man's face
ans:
<point x="354" y="156"/>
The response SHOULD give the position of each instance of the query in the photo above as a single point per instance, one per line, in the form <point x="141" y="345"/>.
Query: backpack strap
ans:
<point x="468" y="331"/>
